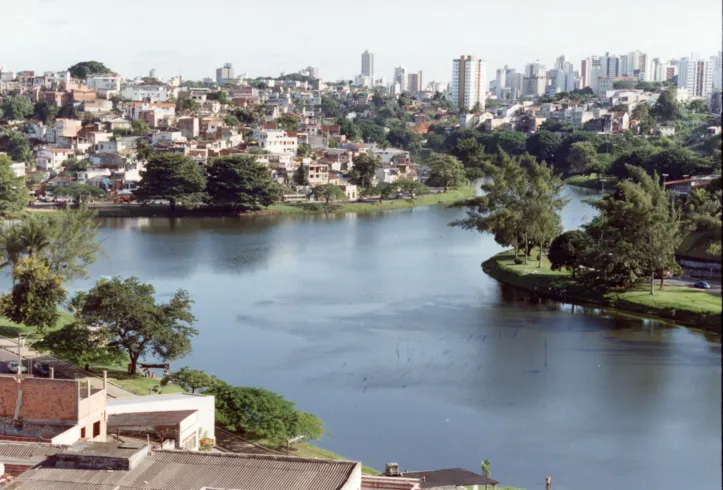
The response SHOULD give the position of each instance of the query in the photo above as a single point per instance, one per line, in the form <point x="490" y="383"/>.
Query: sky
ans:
<point x="265" y="38"/>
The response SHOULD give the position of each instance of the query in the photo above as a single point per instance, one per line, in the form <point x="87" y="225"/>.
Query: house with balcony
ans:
<point x="51" y="159"/>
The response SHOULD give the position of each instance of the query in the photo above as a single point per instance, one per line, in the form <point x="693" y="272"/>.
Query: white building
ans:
<point x="276" y="141"/>
<point x="149" y="92"/>
<point x="500" y="82"/>
<point x="103" y="82"/>
<point x="717" y="71"/>
<point x="52" y="158"/>
<point x="696" y="76"/>
<point x="400" y="77"/>
<point x="469" y="84"/>
<point x="224" y="74"/>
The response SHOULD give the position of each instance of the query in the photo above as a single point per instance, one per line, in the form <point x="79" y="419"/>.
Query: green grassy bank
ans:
<point x="135" y="211"/>
<point x="685" y="305"/>
<point x="592" y="181"/>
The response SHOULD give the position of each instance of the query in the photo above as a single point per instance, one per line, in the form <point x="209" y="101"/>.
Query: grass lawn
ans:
<point x="592" y="181"/>
<point x="698" y="308"/>
<point x="449" y="197"/>
<point x="11" y="329"/>
<point x="306" y="450"/>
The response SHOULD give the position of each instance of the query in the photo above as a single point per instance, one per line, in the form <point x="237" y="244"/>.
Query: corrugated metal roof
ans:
<point x="176" y="470"/>
<point x="29" y="451"/>
<point x="144" y="419"/>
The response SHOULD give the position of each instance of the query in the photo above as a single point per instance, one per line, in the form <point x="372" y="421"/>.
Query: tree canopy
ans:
<point x="189" y="379"/>
<point x="136" y="323"/>
<point x="365" y="167"/>
<point x="85" y="68"/>
<point x="328" y="192"/>
<point x="446" y="171"/>
<point x="241" y="182"/>
<point x="18" y="107"/>
<point x="13" y="193"/>
<point x="174" y="177"/>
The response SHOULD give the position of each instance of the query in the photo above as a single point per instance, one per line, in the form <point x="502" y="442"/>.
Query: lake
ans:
<point x="386" y="327"/>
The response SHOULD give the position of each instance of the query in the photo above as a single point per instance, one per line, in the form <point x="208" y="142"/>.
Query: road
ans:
<point x="63" y="370"/>
<point x="715" y="286"/>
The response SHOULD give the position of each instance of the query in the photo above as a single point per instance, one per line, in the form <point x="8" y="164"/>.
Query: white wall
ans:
<point x="205" y="405"/>
<point x="354" y="481"/>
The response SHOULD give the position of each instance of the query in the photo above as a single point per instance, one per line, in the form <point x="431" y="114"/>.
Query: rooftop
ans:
<point x="176" y="470"/>
<point x="449" y="478"/>
<point x="138" y="419"/>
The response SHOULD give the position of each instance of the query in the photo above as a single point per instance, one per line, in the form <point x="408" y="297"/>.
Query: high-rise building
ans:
<point x="585" y="67"/>
<point x="717" y="71"/>
<point x="152" y="73"/>
<point x="535" y="80"/>
<point x="400" y="77"/>
<point x="501" y="81"/>
<point x="313" y="72"/>
<point x="367" y="68"/>
<point x="561" y="63"/>
<point x="696" y="76"/>
<point x="644" y="67"/>
<point x="469" y="85"/>
<point x="224" y="74"/>
<point x="414" y="82"/>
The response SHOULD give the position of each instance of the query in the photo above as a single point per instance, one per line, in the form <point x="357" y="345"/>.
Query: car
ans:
<point x="122" y="198"/>
<point x="13" y="367"/>
<point x="41" y="369"/>
<point x="701" y="285"/>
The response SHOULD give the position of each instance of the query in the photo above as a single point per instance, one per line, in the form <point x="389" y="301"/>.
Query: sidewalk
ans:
<point x="63" y="370"/>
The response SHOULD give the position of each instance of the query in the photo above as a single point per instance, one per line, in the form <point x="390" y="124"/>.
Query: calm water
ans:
<point x="387" y="328"/>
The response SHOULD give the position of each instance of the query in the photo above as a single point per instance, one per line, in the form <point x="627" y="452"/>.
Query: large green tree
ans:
<point x="189" y="379"/>
<point x="240" y="182"/>
<point x="544" y="145"/>
<point x="136" y="323"/>
<point x="81" y="345"/>
<point x="582" y="157"/>
<point x="642" y="114"/>
<point x="365" y="166"/>
<point x="667" y="106"/>
<point x="13" y="193"/>
<point x="36" y="294"/>
<point x="173" y="177"/>
<point x="569" y="251"/>
<point x="446" y="171"/>
<point x="17" y="146"/>
<point x="44" y="111"/>
<point x="85" y="68"/>
<point x="79" y="192"/>
<point x="328" y="192"/>
<point x="703" y="214"/>
<point x="18" y="107"/>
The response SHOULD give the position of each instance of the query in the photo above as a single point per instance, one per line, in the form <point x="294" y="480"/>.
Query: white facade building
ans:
<point x="104" y="82"/>
<point x="277" y="142"/>
<point x="149" y="92"/>
<point x="696" y="76"/>
<point x="717" y="71"/>
<point x="469" y="84"/>
<point x="400" y="77"/>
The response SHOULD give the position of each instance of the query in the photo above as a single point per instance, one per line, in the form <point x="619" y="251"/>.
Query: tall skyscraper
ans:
<point x="717" y="71"/>
<point x="367" y="62"/>
<point x="400" y="77"/>
<point x="645" y="68"/>
<point x="585" y="67"/>
<point x="696" y="76"/>
<point x="469" y="84"/>
<point x="561" y="62"/>
<point x="501" y="81"/>
<point x="224" y="74"/>
<point x="535" y="79"/>
<point x="414" y="82"/>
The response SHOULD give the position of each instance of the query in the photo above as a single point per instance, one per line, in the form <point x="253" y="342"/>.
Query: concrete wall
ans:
<point x="205" y="405"/>
<point x="355" y="479"/>
<point x="42" y="399"/>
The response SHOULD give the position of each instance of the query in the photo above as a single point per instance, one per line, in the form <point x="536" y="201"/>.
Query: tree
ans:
<point x="75" y="303"/>
<point x="447" y="171"/>
<point x="262" y="414"/>
<point x="73" y="243"/>
<point x="18" y="148"/>
<point x="542" y="205"/>
<point x="304" y="150"/>
<point x="698" y="105"/>
<point x="190" y="379"/>
<point x="137" y="324"/>
<point x="75" y="165"/>
<point x="703" y="214"/>
<point x="143" y="150"/>
<point x="372" y="132"/>
<point x="581" y="157"/>
<point x="80" y="192"/>
<point x="569" y="250"/>
<point x="174" y="177"/>
<point x="44" y="111"/>
<point x="80" y="345"/>
<point x="384" y="190"/>
<point x="328" y="192"/>
<point x="477" y="108"/>
<point x="231" y="120"/>
<point x="35" y="295"/>
<point x="511" y="142"/>
<point x="240" y="182"/>
<point x="635" y="235"/>
<point x="561" y="160"/>
<point x="365" y="166"/>
<point x="18" y="107"/>
<point x="543" y="145"/>
<point x="13" y="193"/>
<point x="330" y="107"/>
<point x="139" y="128"/>
<point x="556" y="126"/>
<point x="624" y="84"/>
<point x="85" y="68"/>
<point x="412" y="187"/>
<point x="187" y="104"/>
<point x="641" y="113"/>
<point x="287" y="123"/>
<point x="219" y="95"/>
<point x="667" y="106"/>
<point x="486" y="468"/>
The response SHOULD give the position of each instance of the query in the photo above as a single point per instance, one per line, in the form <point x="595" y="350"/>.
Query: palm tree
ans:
<point x="12" y="245"/>
<point x="35" y="233"/>
<point x="75" y="303"/>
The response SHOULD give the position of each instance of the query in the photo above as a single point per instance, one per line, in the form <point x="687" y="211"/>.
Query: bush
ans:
<point x="519" y="261"/>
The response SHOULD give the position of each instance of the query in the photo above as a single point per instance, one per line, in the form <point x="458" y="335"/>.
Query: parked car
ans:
<point x="123" y="198"/>
<point x="13" y="367"/>
<point x="41" y="369"/>
<point x="701" y="285"/>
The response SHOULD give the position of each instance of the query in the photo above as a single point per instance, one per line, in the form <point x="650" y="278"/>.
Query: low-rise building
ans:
<point x="316" y="173"/>
<point x="52" y="159"/>
<point x="276" y="141"/>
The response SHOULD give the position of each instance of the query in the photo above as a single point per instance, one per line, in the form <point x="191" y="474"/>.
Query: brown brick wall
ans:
<point x="15" y="470"/>
<point x="43" y="399"/>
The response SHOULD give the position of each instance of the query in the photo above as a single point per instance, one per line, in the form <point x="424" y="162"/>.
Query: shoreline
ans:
<point x="698" y="314"/>
<point x="279" y="209"/>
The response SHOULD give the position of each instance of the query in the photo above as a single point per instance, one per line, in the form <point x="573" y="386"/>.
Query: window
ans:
<point x="96" y="429"/>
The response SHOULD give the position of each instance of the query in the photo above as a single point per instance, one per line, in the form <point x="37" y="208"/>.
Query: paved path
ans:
<point x="63" y="370"/>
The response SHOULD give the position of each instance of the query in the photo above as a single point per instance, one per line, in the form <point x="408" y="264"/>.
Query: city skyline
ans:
<point x="139" y="49"/>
